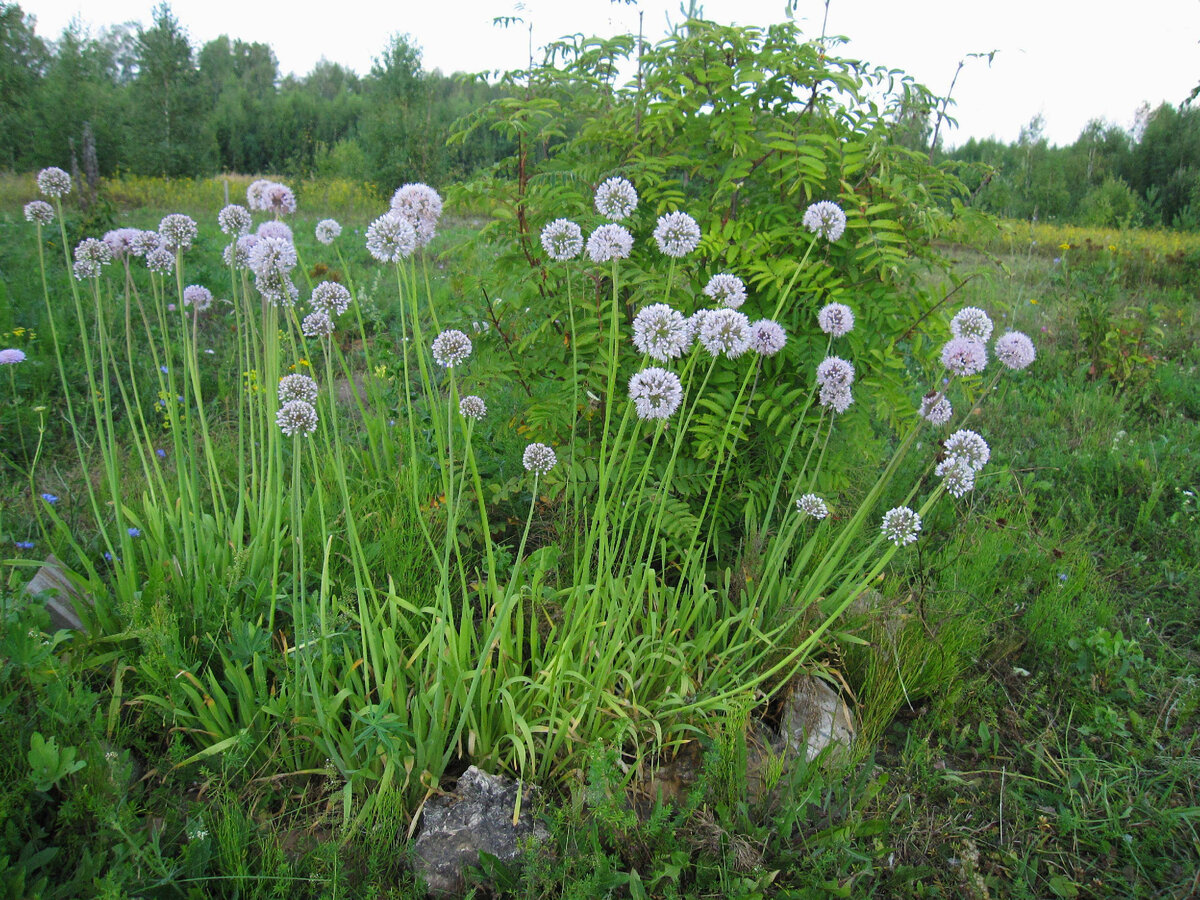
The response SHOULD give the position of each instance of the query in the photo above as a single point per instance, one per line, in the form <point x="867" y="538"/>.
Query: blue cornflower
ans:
<point x="49" y="498"/>
<point x="163" y="369"/>
<point x="135" y="532"/>
<point x="161" y="453"/>
<point x="24" y="545"/>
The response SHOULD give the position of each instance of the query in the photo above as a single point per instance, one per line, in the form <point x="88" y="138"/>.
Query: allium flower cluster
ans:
<point x="120" y="241"/>
<point x="317" y="324"/>
<point x="968" y="446"/>
<point x="562" y="240"/>
<point x="234" y="219"/>
<point x="279" y="199"/>
<point x="255" y="193"/>
<point x="726" y="290"/>
<point x="272" y="260"/>
<point x="328" y="230"/>
<point x="297" y="387"/>
<point x="39" y="211"/>
<point x="724" y="331"/>
<point x="391" y="238"/>
<point x="144" y="242"/>
<point x="10" y="356"/>
<point x="957" y="474"/>
<point x="964" y="356"/>
<point x="421" y="207"/>
<point x="677" y="234"/>
<point x="472" y="407"/>
<point x="901" y="525"/>
<point x="237" y="254"/>
<point x="273" y="228"/>
<point x="836" y="319"/>
<point x="834" y="376"/>
<point x="451" y="347"/>
<point x="539" y="459"/>
<point x="297" y="418"/>
<point x="160" y="260"/>
<point x="609" y="242"/>
<point x="198" y="296"/>
<point x="1015" y="350"/>
<point x="971" y="322"/>
<point x="935" y="408"/>
<point x="616" y="199"/>
<point x="331" y="297"/>
<point x="767" y="337"/>
<point x="91" y="255"/>
<point x="177" y="231"/>
<point x="826" y="219"/>
<point x="656" y="393"/>
<point x="660" y="332"/>
<point x="54" y="182"/>
<point x="812" y="505"/>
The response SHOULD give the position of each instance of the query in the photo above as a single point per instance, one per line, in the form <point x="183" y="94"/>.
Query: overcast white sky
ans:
<point x="1068" y="60"/>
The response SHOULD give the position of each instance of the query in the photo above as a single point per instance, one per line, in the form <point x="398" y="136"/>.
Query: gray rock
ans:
<point x="63" y="599"/>
<point x="814" y="717"/>
<point x="477" y="816"/>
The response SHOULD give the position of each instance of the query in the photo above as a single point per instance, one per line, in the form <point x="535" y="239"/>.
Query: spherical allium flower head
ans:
<point x="234" y="219"/>
<point x="835" y="397"/>
<point x="144" y="242"/>
<point x="472" y="407"/>
<point x="421" y="206"/>
<point x="969" y="446"/>
<point x="120" y="241"/>
<point x="609" y="242"/>
<point x="317" y="324"/>
<point x="54" y="182"/>
<point x="835" y="372"/>
<point x="297" y="387"/>
<point x="11" y="356"/>
<point x="451" y="347"/>
<point x="391" y="238"/>
<point x="971" y="322"/>
<point x="726" y="290"/>
<point x="562" y="240"/>
<point x="255" y="192"/>
<point x="1015" y="350"/>
<point x="39" y="211"/>
<point x="826" y="219"/>
<point x="836" y="319"/>
<point x="956" y="473"/>
<point x="279" y="199"/>
<point x="901" y="525"/>
<point x="327" y="231"/>
<point x="964" y="356"/>
<point x="616" y="199"/>
<point x="539" y="459"/>
<point x="160" y="260"/>
<point x="198" y="296"/>
<point x="275" y="229"/>
<point x="766" y="337"/>
<point x="656" y="393"/>
<point x="725" y="331"/>
<point x="91" y="255"/>
<point x="237" y="254"/>
<point x="331" y="297"/>
<point x="935" y="408"/>
<point x="677" y="234"/>
<point x="177" y="231"/>
<point x="272" y="260"/>
<point x="661" y="332"/>
<point x="812" y="505"/>
<point x="297" y="418"/>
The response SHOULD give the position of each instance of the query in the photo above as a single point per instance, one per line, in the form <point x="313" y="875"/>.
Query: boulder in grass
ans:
<point x="815" y="717"/>
<point x="63" y="599"/>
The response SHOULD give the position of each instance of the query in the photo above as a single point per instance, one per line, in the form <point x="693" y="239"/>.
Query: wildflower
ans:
<point x="328" y="231"/>
<point x="272" y="261"/>
<point x="836" y="319"/>
<point x="957" y="474"/>
<point x="767" y="337"/>
<point x="971" y="322"/>
<point x="54" y="182"/>
<point x="812" y="505"/>
<point x="660" y="332"/>
<point x="297" y="387"/>
<point x="901" y="525"/>
<point x="120" y="241"/>
<point x="144" y="242"/>
<point x="472" y="407"/>
<point x="935" y="408"/>
<point x="197" y="296"/>
<point x="391" y="238"/>
<point x="160" y="453"/>
<point x="317" y="324"/>
<point x="835" y="397"/>
<point x="11" y="356"/>
<point x="160" y="260"/>
<point x="39" y="211"/>
<point x="562" y="240"/>
<point x="177" y="232"/>
<point x="451" y="347"/>
<point x="964" y="356"/>
<point x="539" y="459"/>
<point x="275" y="229"/>
<point x="1015" y="350"/>
<point x="421" y="206"/>
<point x="826" y="219"/>
<point x="725" y="331"/>
<point x="234" y="219"/>
<point x="331" y="297"/>
<point x="23" y="545"/>
<point x="49" y="498"/>
<point x="656" y="393"/>
<point x="279" y="199"/>
<point x="968" y="446"/>
<point x="237" y="254"/>
<point x="726" y="290"/>
<point x="677" y="234"/>
<point x="616" y="199"/>
<point x="91" y="255"/>
<point x="134" y="532"/>
<point x="296" y="418"/>
<point x="835" y="372"/>
<point x="609" y="242"/>
<point x="255" y="193"/>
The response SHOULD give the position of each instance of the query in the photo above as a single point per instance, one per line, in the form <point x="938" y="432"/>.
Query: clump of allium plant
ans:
<point x="726" y="290"/>
<point x="616" y="199"/>
<point x="562" y="240"/>
<point x="825" y="218"/>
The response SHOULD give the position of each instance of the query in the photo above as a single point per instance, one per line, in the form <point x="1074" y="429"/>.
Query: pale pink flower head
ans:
<point x="297" y="387"/>
<point x="273" y="228"/>
<point x="317" y="324"/>
<point x="661" y="332"/>
<point x="10" y="356"/>
<point x="677" y="234"/>
<point x="120" y="241"/>
<point x="234" y="219"/>
<point x="472" y="407"/>
<point x="421" y="206"/>
<point x="391" y="238"/>
<point x="331" y="297"/>
<point x="964" y="356"/>
<point x="971" y="322"/>
<point x="450" y="348"/>
<point x="297" y="418"/>
<point x="1015" y="350"/>
<point x="724" y="331"/>
<point x="726" y="290"/>
<point x="177" y="231"/>
<point x="935" y="408"/>
<point x="812" y="505"/>
<point x="39" y="212"/>
<point x="767" y="337"/>
<point x="656" y="393"/>
<point x="957" y="475"/>
<point x="279" y="199"/>
<point x="836" y="319"/>
<point x="826" y="219"/>
<point x="197" y="296"/>
<point x="616" y="199"/>
<point x="968" y="446"/>
<point x="609" y="242"/>
<point x="91" y="255"/>
<point x="328" y="230"/>
<point x="54" y="182"/>
<point x="562" y="240"/>
<point x="901" y="525"/>
<point x="539" y="459"/>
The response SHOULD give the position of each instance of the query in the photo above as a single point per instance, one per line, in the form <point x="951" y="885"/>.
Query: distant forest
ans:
<point x="144" y="100"/>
